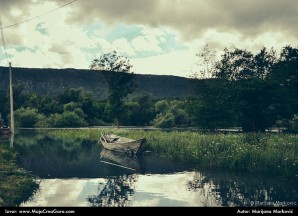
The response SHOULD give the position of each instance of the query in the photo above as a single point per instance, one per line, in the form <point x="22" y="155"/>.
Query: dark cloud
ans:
<point x="7" y="6"/>
<point x="63" y="52"/>
<point x="192" y="17"/>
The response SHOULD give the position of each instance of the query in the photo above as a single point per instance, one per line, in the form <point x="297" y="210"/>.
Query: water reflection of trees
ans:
<point x="230" y="189"/>
<point x="37" y="144"/>
<point x="49" y="156"/>
<point x="116" y="192"/>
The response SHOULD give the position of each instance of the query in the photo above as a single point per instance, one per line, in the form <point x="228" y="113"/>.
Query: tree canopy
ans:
<point x="120" y="79"/>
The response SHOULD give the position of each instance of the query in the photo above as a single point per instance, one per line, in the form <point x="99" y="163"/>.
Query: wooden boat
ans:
<point x="4" y="130"/>
<point x="122" y="144"/>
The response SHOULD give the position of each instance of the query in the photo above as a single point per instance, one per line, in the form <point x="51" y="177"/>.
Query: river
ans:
<point x="78" y="172"/>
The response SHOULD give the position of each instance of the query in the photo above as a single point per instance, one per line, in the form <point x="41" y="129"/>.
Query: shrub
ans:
<point x="68" y="119"/>
<point x="28" y="117"/>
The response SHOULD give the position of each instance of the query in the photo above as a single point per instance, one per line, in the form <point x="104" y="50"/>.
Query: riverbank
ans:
<point x="16" y="185"/>
<point x="249" y="152"/>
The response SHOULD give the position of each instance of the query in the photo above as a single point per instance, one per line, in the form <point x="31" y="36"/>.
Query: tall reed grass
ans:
<point x="251" y="152"/>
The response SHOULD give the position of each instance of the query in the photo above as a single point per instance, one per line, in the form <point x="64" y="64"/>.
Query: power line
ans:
<point x="24" y="21"/>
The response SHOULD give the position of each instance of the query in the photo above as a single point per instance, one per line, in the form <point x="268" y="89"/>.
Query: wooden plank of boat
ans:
<point x="122" y="144"/>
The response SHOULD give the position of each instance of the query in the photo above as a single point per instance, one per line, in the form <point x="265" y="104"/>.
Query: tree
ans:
<point x="111" y="62"/>
<point x="44" y="104"/>
<point x="70" y="95"/>
<point x="253" y="96"/>
<point x="254" y="100"/>
<point x="263" y="62"/>
<point x="235" y="65"/>
<point x="284" y="76"/>
<point x="214" y="107"/>
<point x="207" y="59"/>
<point x="242" y="64"/>
<point x="121" y="83"/>
<point x="146" y="112"/>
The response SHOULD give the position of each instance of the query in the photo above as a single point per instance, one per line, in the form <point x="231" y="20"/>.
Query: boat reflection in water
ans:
<point x="126" y="161"/>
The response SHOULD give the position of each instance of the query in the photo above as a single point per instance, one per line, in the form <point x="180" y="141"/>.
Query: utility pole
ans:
<point x="11" y="101"/>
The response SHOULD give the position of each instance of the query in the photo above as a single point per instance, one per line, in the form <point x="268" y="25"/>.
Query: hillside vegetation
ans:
<point x="53" y="81"/>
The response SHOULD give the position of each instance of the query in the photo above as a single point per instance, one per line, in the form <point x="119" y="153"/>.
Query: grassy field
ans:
<point x="263" y="152"/>
<point x="16" y="185"/>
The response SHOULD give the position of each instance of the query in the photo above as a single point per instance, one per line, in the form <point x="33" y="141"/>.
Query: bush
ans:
<point x="28" y="117"/>
<point x="170" y="114"/>
<point x="181" y="117"/>
<point x="42" y="122"/>
<point x="164" y="121"/>
<point x="162" y="106"/>
<point x="68" y="119"/>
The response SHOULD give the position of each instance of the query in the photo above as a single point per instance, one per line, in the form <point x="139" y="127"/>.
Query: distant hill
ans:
<point x="53" y="81"/>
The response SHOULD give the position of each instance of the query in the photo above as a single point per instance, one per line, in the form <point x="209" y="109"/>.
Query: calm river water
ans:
<point x="74" y="172"/>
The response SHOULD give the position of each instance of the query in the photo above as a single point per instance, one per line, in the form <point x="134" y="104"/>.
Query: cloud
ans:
<point x="147" y="43"/>
<point x="177" y="63"/>
<point x="189" y="17"/>
<point x="160" y="37"/>
<point x="193" y="17"/>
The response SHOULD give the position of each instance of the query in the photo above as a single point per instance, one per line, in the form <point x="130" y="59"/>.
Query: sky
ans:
<point x="158" y="36"/>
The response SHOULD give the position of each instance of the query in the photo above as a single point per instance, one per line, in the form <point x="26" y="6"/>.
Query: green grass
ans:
<point x="262" y="152"/>
<point x="16" y="185"/>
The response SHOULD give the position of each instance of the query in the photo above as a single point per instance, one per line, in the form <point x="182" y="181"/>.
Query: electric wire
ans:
<point x="32" y="18"/>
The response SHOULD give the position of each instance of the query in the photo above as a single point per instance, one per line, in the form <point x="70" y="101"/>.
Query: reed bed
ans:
<point x="251" y="152"/>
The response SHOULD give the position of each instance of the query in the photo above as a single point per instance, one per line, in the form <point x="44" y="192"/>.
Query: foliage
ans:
<point x="170" y="114"/>
<point x="252" y="91"/>
<point x="165" y="120"/>
<point x="68" y="119"/>
<point x="215" y="107"/>
<point x="120" y="84"/>
<point x="111" y="62"/>
<point x="242" y="64"/>
<point x="206" y="63"/>
<point x="28" y="117"/>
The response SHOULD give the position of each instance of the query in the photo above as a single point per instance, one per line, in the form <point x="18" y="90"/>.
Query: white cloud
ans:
<point x="174" y="63"/>
<point x="147" y="43"/>
<point x="123" y="46"/>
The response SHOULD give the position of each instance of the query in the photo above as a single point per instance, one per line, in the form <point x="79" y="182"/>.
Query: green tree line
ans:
<point x="252" y="91"/>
